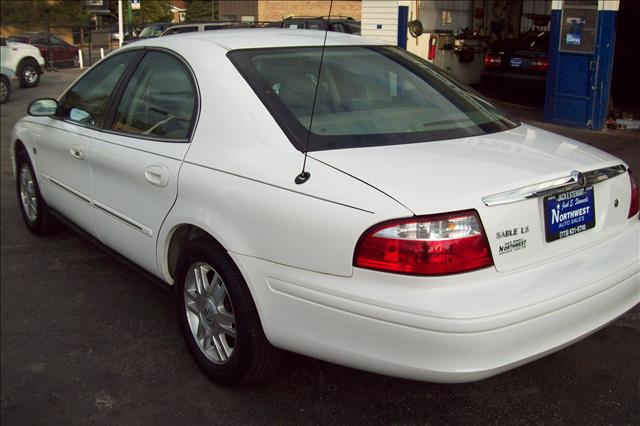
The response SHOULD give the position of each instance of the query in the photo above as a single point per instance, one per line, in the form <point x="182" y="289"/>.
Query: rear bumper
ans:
<point x="452" y="329"/>
<point x="513" y="76"/>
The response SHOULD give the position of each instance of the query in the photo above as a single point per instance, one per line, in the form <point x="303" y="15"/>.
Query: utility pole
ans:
<point x="130" y="18"/>
<point x="49" y="65"/>
<point x="120" y="32"/>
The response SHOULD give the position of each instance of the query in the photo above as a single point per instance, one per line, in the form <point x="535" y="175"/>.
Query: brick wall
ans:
<point x="275" y="10"/>
<point x="237" y="9"/>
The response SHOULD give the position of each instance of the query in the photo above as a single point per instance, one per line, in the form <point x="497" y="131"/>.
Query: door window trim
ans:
<point x="118" y="93"/>
<point x="116" y="97"/>
<point x="100" y="126"/>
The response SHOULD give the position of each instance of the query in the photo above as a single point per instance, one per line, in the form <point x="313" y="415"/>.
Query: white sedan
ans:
<point x="426" y="235"/>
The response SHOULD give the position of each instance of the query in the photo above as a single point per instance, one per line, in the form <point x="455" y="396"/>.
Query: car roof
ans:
<point x="251" y="38"/>
<point x="32" y="34"/>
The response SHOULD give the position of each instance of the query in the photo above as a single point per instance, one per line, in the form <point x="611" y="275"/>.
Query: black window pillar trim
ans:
<point x="114" y="99"/>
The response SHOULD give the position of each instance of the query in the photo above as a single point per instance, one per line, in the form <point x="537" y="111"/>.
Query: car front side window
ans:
<point x="86" y="102"/>
<point x="159" y="101"/>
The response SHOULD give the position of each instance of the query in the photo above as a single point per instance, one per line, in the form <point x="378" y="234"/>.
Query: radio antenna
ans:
<point x="305" y="175"/>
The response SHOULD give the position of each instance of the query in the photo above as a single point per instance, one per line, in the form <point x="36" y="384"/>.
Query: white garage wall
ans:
<point x="534" y="7"/>
<point x="380" y="20"/>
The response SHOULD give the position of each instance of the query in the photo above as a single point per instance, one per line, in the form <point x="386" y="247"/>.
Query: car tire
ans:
<point x="28" y="73"/>
<point x="76" y="61"/>
<point x="218" y="318"/>
<point x="5" y="89"/>
<point x="34" y="210"/>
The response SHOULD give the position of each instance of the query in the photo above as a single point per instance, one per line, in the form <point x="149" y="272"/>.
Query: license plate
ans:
<point x="569" y="213"/>
<point x="516" y="62"/>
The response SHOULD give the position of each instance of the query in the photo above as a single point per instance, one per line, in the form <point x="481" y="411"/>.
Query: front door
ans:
<point x="63" y="142"/>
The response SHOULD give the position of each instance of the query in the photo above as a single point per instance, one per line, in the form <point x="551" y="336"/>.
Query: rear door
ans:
<point x="62" y="52"/>
<point x="134" y="167"/>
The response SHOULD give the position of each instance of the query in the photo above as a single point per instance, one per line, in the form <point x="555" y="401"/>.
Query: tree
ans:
<point x="31" y="14"/>
<point x="201" y="10"/>
<point x="152" y="11"/>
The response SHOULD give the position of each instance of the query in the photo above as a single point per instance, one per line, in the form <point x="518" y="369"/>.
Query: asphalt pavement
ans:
<point x="85" y="339"/>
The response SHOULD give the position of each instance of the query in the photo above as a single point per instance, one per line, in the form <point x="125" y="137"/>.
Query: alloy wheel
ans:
<point x="28" y="194"/>
<point x="30" y="74"/>
<point x="210" y="313"/>
<point x="4" y="91"/>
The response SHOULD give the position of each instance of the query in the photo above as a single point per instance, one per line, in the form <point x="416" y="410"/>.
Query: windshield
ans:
<point x="151" y="31"/>
<point x="367" y="96"/>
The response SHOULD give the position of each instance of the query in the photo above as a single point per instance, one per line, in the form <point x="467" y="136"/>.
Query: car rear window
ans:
<point x="367" y="96"/>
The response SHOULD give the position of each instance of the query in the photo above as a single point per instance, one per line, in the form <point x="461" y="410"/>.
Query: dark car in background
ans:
<point x="524" y="61"/>
<point x="54" y="50"/>
<point x="341" y="24"/>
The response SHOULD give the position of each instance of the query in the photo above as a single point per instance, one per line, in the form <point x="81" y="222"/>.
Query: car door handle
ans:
<point x="157" y="175"/>
<point x="76" y="152"/>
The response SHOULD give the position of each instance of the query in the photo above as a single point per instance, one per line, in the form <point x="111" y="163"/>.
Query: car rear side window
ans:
<point x="86" y="102"/>
<point x="159" y="100"/>
<point x="366" y="96"/>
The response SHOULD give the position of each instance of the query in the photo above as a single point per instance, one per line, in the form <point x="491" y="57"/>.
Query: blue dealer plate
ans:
<point x="569" y="213"/>
<point x="516" y="62"/>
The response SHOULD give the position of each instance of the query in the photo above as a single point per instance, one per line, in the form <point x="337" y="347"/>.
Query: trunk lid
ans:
<point x="446" y="176"/>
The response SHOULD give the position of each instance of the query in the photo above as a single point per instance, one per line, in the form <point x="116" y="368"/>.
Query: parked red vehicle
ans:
<point x="62" y="53"/>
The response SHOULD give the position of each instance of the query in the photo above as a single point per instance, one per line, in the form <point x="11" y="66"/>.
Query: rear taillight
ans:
<point x="492" y="61"/>
<point x="539" y="65"/>
<point x="426" y="245"/>
<point x="633" y="208"/>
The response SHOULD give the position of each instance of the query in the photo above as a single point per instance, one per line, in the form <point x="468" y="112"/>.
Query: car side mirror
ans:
<point x="81" y="116"/>
<point x="43" y="107"/>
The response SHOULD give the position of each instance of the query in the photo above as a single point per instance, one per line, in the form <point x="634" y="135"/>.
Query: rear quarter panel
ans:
<point x="237" y="183"/>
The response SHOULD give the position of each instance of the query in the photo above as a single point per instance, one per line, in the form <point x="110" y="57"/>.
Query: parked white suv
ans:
<point x="24" y="60"/>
